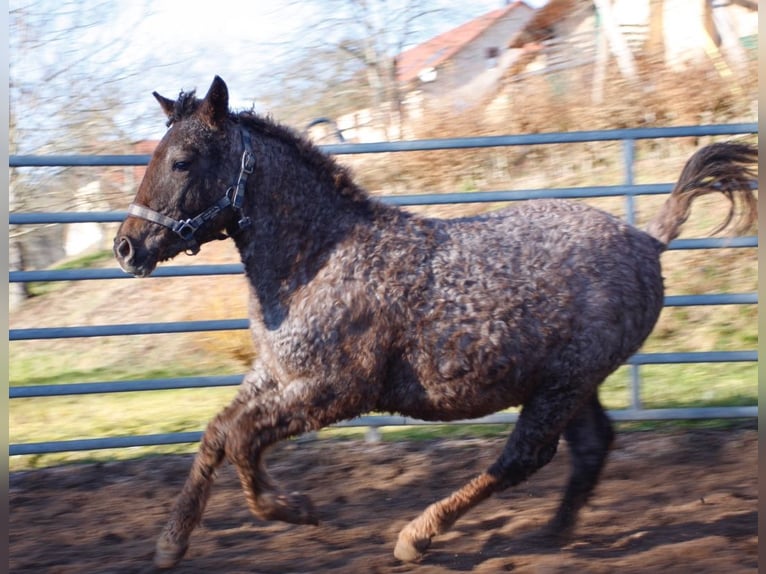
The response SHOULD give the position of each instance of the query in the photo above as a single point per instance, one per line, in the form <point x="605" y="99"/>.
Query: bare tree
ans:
<point x="64" y="66"/>
<point x="63" y="71"/>
<point x="349" y="57"/>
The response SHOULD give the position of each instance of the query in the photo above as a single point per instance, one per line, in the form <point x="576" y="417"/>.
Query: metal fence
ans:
<point x="628" y="189"/>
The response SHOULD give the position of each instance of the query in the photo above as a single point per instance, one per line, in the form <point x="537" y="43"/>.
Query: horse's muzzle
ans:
<point x="125" y="253"/>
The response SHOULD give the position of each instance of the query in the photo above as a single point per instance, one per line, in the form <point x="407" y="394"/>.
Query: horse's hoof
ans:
<point x="408" y="550"/>
<point x="550" y="536"/>
<point x="557" y="532"/>
<point x="294" y="507"/>
<point x="168" y="554"/>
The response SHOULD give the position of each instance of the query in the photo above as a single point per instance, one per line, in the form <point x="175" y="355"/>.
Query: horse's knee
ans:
<point x="214" y="438"/>
<point x="590" y="435"/>
<point x="213" y="443"/>
<point x="546" y="453"/>
<point x="238" y="450"/>
<point x="516" y="465"/>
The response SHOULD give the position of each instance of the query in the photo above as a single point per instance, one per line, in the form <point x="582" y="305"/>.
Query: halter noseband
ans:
<point x="233" y="197"/>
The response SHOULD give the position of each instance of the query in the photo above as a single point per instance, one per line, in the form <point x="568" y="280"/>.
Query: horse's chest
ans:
<point x="335" y="337"/>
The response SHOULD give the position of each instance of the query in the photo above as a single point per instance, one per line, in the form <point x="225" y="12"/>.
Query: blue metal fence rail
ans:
<point x="629" y="190"/>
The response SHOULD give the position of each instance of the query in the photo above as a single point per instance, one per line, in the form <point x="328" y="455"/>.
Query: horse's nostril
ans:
<point x="124" y="249"/>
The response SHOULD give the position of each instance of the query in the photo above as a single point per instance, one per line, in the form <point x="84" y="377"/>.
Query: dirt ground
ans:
<point x="668" y="502"/>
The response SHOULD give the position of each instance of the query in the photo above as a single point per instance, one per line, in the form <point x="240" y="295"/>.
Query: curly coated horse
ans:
<point x="358" y="306"/>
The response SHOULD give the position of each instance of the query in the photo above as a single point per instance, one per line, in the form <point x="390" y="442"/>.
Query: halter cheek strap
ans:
<point x="233" y="197"/>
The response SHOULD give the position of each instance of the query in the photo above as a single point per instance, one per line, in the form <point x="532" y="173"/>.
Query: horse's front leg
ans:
<point x="187" y="510"/>
<point x="300" y="407"/>
<point x="241" y="433"/>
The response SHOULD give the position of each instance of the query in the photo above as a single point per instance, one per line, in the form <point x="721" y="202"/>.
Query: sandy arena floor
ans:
<point x="668" y="502"/>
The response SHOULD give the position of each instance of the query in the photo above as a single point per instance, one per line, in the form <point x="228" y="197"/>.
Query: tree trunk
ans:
<point x="617" y="43"/>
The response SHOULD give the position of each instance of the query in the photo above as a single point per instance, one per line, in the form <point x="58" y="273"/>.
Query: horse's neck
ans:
<point x="298" y="218"/>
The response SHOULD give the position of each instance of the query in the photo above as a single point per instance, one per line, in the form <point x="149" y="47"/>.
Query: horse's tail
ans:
<point x="727" y="168"/>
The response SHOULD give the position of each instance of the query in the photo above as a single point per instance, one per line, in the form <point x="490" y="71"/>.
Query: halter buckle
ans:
<point x="248" y="162"/>
<point x="244" y="223"/>
<point x="186" y="229"/>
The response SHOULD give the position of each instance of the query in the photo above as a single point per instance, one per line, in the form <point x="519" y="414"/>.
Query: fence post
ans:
<point x="629" y="156"/>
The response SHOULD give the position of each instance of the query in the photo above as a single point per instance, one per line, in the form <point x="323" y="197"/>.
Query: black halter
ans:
<point x="233" y="197"/>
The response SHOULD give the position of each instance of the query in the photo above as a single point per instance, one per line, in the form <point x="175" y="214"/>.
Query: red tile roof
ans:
<point x="540" y="26"/>
<point x="441" y="48"/>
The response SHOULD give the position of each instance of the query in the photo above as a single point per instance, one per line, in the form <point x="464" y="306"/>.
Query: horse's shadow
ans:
<point x="595" y="546"/>
<point x="527" y="540"/>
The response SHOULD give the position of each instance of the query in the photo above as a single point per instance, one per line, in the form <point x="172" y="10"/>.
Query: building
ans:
<point x="456" y="69"/>
<point x="566" y="34"/>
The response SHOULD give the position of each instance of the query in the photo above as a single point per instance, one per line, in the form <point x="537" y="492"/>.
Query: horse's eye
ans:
<point x="181" y="165"/>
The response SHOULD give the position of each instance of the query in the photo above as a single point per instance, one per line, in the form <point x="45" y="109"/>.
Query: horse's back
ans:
<point x="548" y="259"/>
<point x="543" y="290"/>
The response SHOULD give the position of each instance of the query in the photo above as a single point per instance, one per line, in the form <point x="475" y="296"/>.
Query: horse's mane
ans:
<point x="186" y="104"/>
<point x="338" y="176"/>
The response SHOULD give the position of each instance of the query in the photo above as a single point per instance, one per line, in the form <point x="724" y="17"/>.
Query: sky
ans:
<point x="171" y="45"/>
<point x="227" y="42"/>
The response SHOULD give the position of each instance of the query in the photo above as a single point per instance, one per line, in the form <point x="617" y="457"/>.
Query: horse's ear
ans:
<point x="167" y="104"/>
<point x="215" y="106"/>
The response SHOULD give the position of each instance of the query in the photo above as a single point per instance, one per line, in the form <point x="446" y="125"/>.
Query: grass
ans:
<point x="87" y="261"/>
<point x="140" y="413"/>
<point x="110" y="415"/>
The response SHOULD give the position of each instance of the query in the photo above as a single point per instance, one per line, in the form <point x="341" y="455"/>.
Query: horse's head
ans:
<point x="194" y="184"/>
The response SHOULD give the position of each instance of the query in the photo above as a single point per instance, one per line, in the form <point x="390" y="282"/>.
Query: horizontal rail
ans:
<point x="374" y="421"/>
<point x="714" y="243"/>
<point x="104" y="387"/>
<point x="711" y="299"/>
<point x="117" y="273"/>
<point x="543" y="138"/>
<point x="127" y="329"/>
<point x="693" y="357"/>
<point x="103" y="443"/>
<point x="243" y="323"/>
<point x="46" y="218"/>
<point x="238" y="269"/>
<point x="527" y="194"/>
<point x="65" y="217"/>
<point x="426" y="144"/>
<point x="105" y="160"/>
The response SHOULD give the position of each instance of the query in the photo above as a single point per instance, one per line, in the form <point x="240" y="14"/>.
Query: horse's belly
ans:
<point x="430" y="396"/>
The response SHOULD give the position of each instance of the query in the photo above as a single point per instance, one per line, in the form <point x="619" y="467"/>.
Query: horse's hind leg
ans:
<point x="531" y="446"/>
<point x="589" y="435"/>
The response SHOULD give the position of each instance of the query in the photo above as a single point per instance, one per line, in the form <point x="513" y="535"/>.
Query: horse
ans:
<point x="359" y="306"/>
